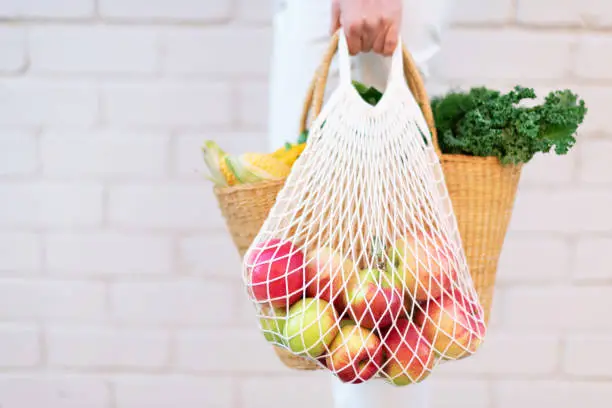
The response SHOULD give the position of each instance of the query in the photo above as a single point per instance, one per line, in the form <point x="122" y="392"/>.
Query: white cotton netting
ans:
<point x="359" y="265"/>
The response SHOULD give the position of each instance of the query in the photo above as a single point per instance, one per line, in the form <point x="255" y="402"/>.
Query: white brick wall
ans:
<point x="118" y="283"/>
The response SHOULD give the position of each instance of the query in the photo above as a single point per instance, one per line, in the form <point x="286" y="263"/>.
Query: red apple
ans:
<point x="409" y="355"/>
<point x="452" y="324"/>
<point x="424" y="263"/>
<point x="327" y="273"/>
<point x="356" y="354"/>
<point x="375" y="299"/>
<point x="276" y="273"/>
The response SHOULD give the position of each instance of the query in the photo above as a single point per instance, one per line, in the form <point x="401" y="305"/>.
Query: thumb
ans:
<point x="335" y="17"/>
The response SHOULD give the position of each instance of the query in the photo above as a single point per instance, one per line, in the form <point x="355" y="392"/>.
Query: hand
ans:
<point x="370" y="25"/>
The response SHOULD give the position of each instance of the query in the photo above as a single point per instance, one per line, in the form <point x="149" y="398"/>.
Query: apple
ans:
<point x="356" y="354"/>
<point x="410" y="357"/>
<point x="424" y="263"/>
<point x="275" y="272"/>
<point x="452" y="324"/>
<point x="375" y="299"/>
<point x="311" y="326"/>
<point x="327" y="274"/>
<point x="272" y="324"/>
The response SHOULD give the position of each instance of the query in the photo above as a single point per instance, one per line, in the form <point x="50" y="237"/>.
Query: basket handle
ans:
<point x="316" y="89"/>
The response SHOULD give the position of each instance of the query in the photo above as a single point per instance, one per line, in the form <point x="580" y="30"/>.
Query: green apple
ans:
<point x="424" y="263"/>
<point x="311" y="326"/>
<point x="272" y="324"/>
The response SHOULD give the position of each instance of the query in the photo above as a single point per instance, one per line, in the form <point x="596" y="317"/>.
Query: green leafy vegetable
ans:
<point x="484" y="122"/>
<point x="303" y="137"/>
<point x="369" y="94"/>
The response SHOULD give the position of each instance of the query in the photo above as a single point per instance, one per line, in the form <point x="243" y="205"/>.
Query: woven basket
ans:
<point x="481" y="190"/>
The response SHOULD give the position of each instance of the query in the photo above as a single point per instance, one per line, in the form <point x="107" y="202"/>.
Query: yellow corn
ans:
<point x="264" y="166"/>
<point x="214" y="157"/>
<point x="289" y="153"/>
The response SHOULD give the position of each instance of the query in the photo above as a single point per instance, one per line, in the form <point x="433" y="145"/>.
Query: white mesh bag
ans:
<point x="359" y="265"/>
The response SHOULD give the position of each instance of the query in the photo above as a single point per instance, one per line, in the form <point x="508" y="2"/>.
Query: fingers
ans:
<point x="381" y="37"/>
<point x="390" y="41"/>
<point x="354" y="38"/>
<point x="370" y="25"/>
<point x="371" y="29"/>
<point x="335" y="20"/>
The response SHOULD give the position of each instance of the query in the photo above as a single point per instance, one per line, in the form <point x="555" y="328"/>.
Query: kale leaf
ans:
<point x="485" y="122"/>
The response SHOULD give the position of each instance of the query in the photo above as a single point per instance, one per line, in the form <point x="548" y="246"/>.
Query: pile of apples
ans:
<point x="395" y="318"/>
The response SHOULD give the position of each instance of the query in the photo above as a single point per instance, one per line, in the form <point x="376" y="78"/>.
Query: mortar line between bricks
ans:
<point x="153" y="78"/>
<point x="138" y="22"/>
<point x="518" y="26"/>
<point x="112" y="392"/>
<point x="237" y="397"/>
<point x="490" y="392"/>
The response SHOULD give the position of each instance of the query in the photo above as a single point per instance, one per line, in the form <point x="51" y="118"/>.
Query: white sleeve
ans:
<point x="423" y="22"/>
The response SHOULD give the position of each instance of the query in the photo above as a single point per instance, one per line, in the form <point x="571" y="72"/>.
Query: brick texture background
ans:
<point x="118" y="284"/>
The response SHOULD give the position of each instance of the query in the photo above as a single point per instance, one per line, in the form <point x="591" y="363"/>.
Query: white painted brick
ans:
<point x="506" y="353"/>
<point x="12" y="43"/>
<point x="247" y="315"/>
<point x="104" y="154"/>
<point x="61" y="300"/>
<point x="19" y="346"/>
<point x="107" y="253"/>
<point x="101" y="347"/>
<point x="534" y="259"/>
<point x="160" y="104"/>
<point x="166" y="10"/>
<point x="226" y="350"/>
<point x="262" y="391"/>
<point x="550" y="393"/>
<point x="458" y="393"/>
<point x="562" y="211"/>
<point x="482" y="11"/>
<point x="311" y="389"/>
<point x="18" y="153"/>
<point x="50" y="205"/>
<point x="596" y="99"/>
<point x="93" y="49"/>
<point x="506" y="54"/>
<point x="166" y="206"/>
<point x="178" y="302"/>
<point x="588" y="59"/>
<point x="550" y="169"/>
<point x="173" y="391"/>
<point x="44" y="9"/>
<point x="185" y="51"/>
<point x="51" y="391"/>
<point x="595" y="165"/>
<point x="253" y="105"/>
<point x="596" y="13"/>
<point x="496" y="317"/>
<point x="593" y="259"/>
<point x="33" y="102"/>
<point x="20" y="251"/>
<point x="586" y="355"/>
<point x="188" y="152"/>
<point x="260" y="11"/>
<point x="209" y="255"/>
<point x="544" y="309"/>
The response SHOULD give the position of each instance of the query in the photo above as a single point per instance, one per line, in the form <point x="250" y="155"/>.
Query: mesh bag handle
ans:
<point x="316" y="90"/>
